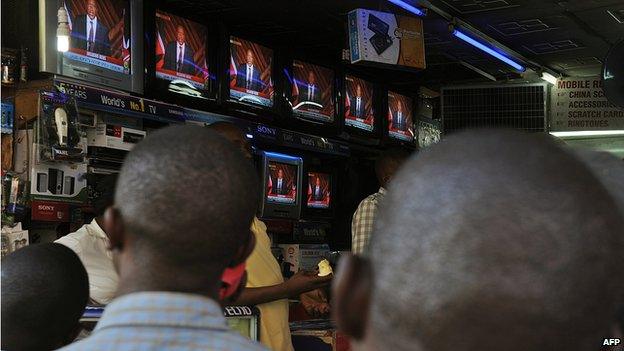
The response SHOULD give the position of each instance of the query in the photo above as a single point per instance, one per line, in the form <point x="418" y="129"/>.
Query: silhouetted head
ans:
<point x="45" y="289"/>
<point x="488" y="240"/>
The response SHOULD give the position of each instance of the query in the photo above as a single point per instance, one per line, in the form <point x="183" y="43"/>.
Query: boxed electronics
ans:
<point x="13" y="238"/>
<point x="303" y="256"/>
<point x="59" y="181"/>
<point x="382" y="38"/>
<point x="59" y="136"/>
<point x="114" y="136"/>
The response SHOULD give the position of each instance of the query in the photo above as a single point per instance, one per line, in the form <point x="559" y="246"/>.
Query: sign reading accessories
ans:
<point x="580" y="104"/>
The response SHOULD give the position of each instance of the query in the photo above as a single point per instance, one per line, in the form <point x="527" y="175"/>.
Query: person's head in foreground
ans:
<point x="489" y="240"/>
<point x="389" y="163"/>
<point x="178" y="222"/>
<point x="44" y="292"/>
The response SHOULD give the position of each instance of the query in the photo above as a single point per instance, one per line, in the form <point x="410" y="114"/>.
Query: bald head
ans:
<point x="495" y="240"/>
<point x="186" y="197"/>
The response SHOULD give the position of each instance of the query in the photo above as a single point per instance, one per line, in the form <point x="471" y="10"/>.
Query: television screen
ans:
<point x="282" y="183"/>
<point x="313" y="91"/>
<point x="359" y="103"/>
<point x="181" y="54"/>
<point x="100" y="33"/>
<point x="319" y="190"/>
<point x="400" y="122"/>
<point x="250" y="72"/>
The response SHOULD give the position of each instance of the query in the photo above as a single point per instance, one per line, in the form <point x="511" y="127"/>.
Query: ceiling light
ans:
<point x="549" y="78"/>
<point x="580" y="133"/>
<point x="408" y="7"/>
<point x="490" y="50"/>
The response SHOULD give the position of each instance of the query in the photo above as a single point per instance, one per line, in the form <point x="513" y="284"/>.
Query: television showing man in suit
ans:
<point x="309" y="90"/>
<point x="248" y="74"/>
<point x="318" y="190"/>
<point x="280" y="185"/>
<point x="179" y="56"/>
<point x="399" y="117"/>
<point x="89" y="32"/>
<point x="357" y="105"/>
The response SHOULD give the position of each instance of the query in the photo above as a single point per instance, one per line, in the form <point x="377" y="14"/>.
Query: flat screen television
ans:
<point x="282" y="177"/>
<point x="250" y="73"/>
<point x="359" y="110"/>
<point x="105" y="43"/>
<point x="180" y="55"/>
<point x="312" y="95"/>
<point x="400" y="117"/>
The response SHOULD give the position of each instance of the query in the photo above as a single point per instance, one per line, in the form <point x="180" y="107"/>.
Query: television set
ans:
<point x="105" y="42"/>
<point x="359" y="110"/>
<point x="282" y="178"/>
<point x="312" y="92"/>
<point x="181" y="62"/>
<point x="400" y="117"/>
<point x="250" y="74"/>
<point x="319" y="192"/>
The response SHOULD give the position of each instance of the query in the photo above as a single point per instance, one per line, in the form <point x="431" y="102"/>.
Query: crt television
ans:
<point x="359" y="109"/>
<point x="312" y="92"/>
<point x="400" y="117"/>
<point x="250" y="74"/>
<point x="105" y="43"/>
<point x="181" y="47"/>
<point x="319" y="190"/>
<point x="282" y="178"/>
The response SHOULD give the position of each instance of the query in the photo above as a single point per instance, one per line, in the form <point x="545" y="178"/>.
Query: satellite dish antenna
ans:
<point x="613" y="74"/>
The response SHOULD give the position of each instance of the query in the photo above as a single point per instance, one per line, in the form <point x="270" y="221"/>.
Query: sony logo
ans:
<point x="45" y="208"/>
<point x="266" y="130"/>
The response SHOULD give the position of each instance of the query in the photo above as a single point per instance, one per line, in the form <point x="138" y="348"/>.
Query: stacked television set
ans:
<point x="281" y="176"/>
<point x="400" y="118"/>
<point x="105" y="42"/>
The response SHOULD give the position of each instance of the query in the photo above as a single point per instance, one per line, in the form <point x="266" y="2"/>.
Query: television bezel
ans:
<point x="49" y="57"/>
<point x="386" y="132"/>
<point x="319" y="213"/>
<point x="253" y="112"/>
<point x="280" y="210"/>
<point x="158" y="88"/>
<point x="358" y="133"/>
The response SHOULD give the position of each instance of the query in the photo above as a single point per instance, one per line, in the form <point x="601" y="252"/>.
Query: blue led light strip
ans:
<point x="489" y="50"/>
<point x="408" y="7"/>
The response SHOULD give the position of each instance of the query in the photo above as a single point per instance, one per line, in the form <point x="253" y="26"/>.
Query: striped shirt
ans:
<point x="164" y="321"/>
<point x="363" y="221"/>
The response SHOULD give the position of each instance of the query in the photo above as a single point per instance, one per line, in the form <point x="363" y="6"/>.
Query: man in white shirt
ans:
<point x="91" y="244"/>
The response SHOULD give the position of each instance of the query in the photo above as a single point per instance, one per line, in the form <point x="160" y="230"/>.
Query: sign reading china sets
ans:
<point x="580" y="104"/>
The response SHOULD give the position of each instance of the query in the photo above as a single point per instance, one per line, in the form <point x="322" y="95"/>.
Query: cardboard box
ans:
<point x="302" y="257"/>
<point x="58" y="181"/>
<point x="115" y="137"/>
<point x="386" y="39"/>
<point x="13" y="238"/>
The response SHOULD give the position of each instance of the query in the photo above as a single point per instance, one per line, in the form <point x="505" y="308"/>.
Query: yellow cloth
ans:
<point x="263" y="270"/>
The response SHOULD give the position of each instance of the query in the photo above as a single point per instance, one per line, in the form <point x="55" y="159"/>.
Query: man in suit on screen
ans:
<point x="280" y="184"/>
<point x="357" y="104"/>
<point x="89" y="33"/>
<point x="318" y="192"/>
<point x="248" y="74"/>
<point x="179" y="55"/>
<point x="399" y="118"/>
<point x="309" y="90"/>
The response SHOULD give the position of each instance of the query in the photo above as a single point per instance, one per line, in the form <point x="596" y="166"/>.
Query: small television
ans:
<point x="282" y="178"/>
<point x="250" y="74"/>
<point x="400" y="118"/>
<point x="312" y="92"/>
<point x="180" y="58"/>
<point x="105" y="42"/>
<point x="319" y="190"/>
<point x="359" y="109"/>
